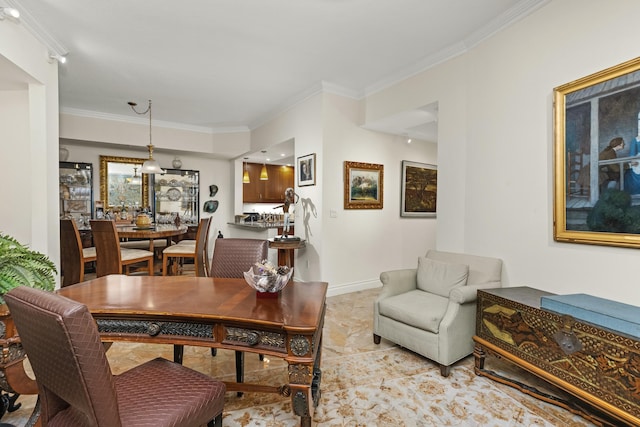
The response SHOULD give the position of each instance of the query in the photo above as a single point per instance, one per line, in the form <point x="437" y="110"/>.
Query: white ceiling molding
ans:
<point x="156" y="123"/>
<point x="29" y="22"/>
<point x="501" y="22"/>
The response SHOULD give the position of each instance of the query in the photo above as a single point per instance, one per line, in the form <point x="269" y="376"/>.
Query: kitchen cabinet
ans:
<point x="271" y="190"/>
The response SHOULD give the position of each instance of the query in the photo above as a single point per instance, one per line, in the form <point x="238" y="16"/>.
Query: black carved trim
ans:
<point x="300" y="405"/>
<point x="300" y="345"/>
<point x="198" y="330"/>
<point x="254" y="337"/>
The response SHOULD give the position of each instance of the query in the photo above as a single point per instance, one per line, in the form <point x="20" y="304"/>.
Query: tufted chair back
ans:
<point x="63" y="345"/>
<point x="232" y="257"/>
<point x="76" y="387"/>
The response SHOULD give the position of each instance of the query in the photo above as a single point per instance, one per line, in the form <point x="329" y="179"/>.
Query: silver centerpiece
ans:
<point x="267" y="280"/>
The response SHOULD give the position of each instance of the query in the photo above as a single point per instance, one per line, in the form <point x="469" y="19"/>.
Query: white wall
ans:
<point x="303" y="124"/>
<point x="14" y="120"/>
<point x="503" y="158"/>
<point x="361" y="243"/>
<point x="29" y="140"/>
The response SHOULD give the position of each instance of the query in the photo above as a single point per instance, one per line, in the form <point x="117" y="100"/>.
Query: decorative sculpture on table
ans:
<point x="290" y="197"/>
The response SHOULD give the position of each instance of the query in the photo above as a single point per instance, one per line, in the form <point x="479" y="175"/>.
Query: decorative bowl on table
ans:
<point x="268" y="280"/>
<point x="143" y="221"/>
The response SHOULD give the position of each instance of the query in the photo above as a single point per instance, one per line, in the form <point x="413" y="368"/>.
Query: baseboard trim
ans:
<point x="353" y="287"/>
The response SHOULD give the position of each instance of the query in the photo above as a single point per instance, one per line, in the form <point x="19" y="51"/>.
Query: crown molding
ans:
<point x="156" y="123"/>
<point x="32" y="25"/>
<point x="506" y="19"/>
<point x="320" y="87"/>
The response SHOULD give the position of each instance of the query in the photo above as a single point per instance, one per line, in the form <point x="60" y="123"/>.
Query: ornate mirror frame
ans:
<point x="110" y="162"/>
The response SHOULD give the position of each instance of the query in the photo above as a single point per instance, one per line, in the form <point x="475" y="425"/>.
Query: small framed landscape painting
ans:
<point x="306" y="170"/>
<point x="363" y="185"/>
<point x="419" y="189"/>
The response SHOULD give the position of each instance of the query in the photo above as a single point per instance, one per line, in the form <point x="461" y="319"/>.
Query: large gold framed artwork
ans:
<point x="121" y="182"/>
<point x="597" y="158"/>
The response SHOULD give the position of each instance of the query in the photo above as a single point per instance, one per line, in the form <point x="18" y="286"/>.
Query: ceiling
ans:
<point x="229" y="65"/>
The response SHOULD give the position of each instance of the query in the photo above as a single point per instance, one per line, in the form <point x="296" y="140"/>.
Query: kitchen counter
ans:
<point x="256" y="225"/>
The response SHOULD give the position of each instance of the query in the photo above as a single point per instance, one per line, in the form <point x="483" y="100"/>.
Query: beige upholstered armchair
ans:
<point x="431" y="309"/>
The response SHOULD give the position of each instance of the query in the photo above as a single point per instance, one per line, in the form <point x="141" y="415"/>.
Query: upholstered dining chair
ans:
<point x="73" y="257"/>
<point x="75" y="383"/>
<point x="110" y="257"/>
<point x="231" y="258"/>
<point x="196" y="251"/>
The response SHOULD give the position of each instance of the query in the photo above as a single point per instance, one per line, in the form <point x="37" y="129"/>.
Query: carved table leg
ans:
<point x="304" y="378"/>
<point x="479" y="356"/>
<point x="240" y="369"/>
<point x="178" y="353"/>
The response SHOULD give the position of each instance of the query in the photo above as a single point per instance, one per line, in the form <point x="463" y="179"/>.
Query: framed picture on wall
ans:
<point x="306" y="168"/>
<point x="363" y="185"/>
<point x="419" y="190"/>
<point x="597" y="158"/>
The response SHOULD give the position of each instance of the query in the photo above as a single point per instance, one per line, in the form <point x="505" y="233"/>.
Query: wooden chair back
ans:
<point x="202" y="242"/>
<point x="105" y="239"/>
<point x="71" y="259"/>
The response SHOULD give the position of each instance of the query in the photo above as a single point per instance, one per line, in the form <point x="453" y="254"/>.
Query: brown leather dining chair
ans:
<point x="197" y="251"/>
<point x="73" y="257"/>
<point x="231" y="258"/>
<point x="75" y="383"/>
<point x="110" y="257"/>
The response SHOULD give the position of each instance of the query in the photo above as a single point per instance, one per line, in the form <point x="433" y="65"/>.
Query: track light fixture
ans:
<point x="151" y="165"/>
<point x="9" y="12"/>
<point x="55" y="57"/>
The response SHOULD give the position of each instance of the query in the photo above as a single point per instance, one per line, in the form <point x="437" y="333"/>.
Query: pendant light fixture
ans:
<point x="135" y="180"/>
<point x="151" y="165"/>
<point x="245" y="175"/>
<point x="264" y="176"/>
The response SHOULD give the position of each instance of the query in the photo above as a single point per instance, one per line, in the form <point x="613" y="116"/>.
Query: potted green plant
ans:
<point x="20" y="266"/>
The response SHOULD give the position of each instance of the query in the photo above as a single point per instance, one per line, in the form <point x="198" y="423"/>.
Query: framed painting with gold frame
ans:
<point x="117" y="186"/>
<point x="597" y="158"/>
<point x="363" y="185"/>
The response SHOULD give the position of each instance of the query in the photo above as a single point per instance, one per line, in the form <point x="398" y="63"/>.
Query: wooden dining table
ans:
<point x="154" y="231"/>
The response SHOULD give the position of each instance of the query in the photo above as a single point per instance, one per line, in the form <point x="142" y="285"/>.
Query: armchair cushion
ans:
<point x="417" y="308"/>
<point x="439" y="277"/>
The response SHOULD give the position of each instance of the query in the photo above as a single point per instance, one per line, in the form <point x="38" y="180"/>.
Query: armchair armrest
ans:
<point x="467" y="294"/>
<point x="397" y="282"/>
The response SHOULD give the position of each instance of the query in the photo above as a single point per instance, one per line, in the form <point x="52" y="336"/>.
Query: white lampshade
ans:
<point x="135" y="179"/>
<point x="151" y="166"/>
